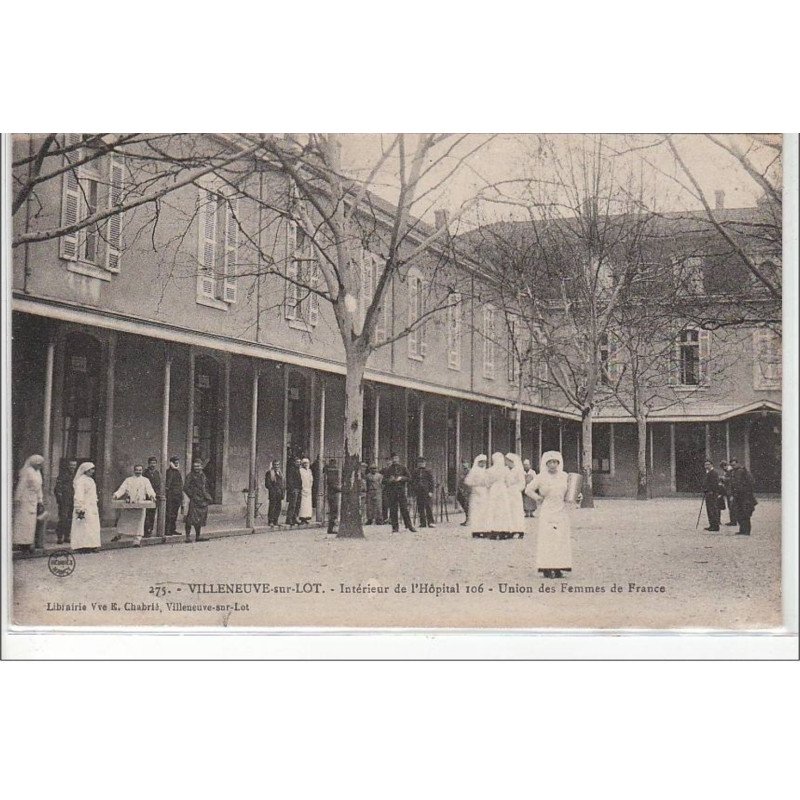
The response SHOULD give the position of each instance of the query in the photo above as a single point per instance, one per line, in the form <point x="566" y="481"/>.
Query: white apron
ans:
<point x="553" y="531"/>
<point x="86" y="531"/>
<point x="306" y="506"/>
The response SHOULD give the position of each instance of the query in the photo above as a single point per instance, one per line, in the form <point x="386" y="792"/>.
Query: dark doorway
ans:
<point x="452" y="464"/>
<point x="298" y="417"/>
<point x="81" y="397"/>
<point x="206" y="439"/>
<point x="690" y="453"/>
<point x="765" y="453"/>
<point x="412" y="422"/>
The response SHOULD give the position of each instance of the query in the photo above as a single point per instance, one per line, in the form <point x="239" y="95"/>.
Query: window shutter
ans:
<point x="613" y="360"/>
<point x="313" y="299"/>
<point x="70" y="201"/>
<point x="423" y="329"/>
<point x="116" y="176"/>
<point x="231" y="250"/>
<point x="382" y="323"/>
<point x="454" y="332"/>
<point x="674" y="361"/>
<point x="413" y="302"/>
<point x="704" y="339"/>
<point x="488" y="342"/>
<point x="767" y="360"/>
<point x="367" y="287"/>
<point x="207" y="244"/>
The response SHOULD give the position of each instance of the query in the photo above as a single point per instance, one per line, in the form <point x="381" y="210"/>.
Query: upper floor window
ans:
<point x="217" y="248"/>
<point x="488" y="342"/>
<point x="690" y="276"/>
<point x="609" y="361"/>
<point x="692" y="357"/>
<point x="417" y="338"/>
<point x="301" y="302"/>
<point x="94" y="184"/>
<point x="369" y="267"/>
<point x="454" y="331"/>
<point x="767" y="359"/>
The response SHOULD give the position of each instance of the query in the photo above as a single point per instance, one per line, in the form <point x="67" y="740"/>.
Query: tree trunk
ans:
<point x="518" y="430"/>
<point x="586" y="458"/>
<point x="350" y="526"/>
<point x="642" y="480"/>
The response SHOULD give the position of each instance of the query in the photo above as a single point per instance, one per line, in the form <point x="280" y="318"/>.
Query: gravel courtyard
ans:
<point x="636" y="565"/>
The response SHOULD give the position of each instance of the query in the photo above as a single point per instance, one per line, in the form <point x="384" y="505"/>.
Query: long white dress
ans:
<point x="478" y="497"/>
<point x="86" y="531"/>
<point x="499" y="509"/>
<point x="27" y="496"/>
<point x="306" y="493"/>
<point x="553" y="531"/>
<point x="515" y="483"/>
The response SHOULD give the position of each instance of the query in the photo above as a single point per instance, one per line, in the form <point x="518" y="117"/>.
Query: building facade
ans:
<point x="129" y="343"/>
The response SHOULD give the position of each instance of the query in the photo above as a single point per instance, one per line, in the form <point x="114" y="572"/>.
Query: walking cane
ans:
<point x="699" y="513"/>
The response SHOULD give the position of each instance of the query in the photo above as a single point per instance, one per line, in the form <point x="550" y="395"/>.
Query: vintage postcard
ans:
<point x="395" y="381"/>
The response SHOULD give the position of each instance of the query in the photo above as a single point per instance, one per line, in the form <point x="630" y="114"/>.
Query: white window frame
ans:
<point x="767" y="375"/>
<point x="703" y="359"/>
<point x="301" y="305"/>
<point x="106" y="174"/>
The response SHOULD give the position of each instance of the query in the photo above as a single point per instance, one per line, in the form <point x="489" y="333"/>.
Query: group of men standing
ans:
<point x="734" y="487"/>
<point x="143" y="484"/>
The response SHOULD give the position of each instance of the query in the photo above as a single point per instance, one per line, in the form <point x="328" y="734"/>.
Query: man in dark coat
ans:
<point x="333" y="490"/>
<point x="65" y="497"/>
<point x="712" y="490"/>
<point x="173" y="490"/>
<point x="744" y="496"/>
<point x="385" y="493"/>
<point x="423" y="489"/>
<point x="276" y="489"/>
<point x="154" y="476"/>
<point x="196" y="489"/>
<point x="395" y="479"/>
<point x="726" y="472"/>
<point x="462" y="491"/>
<point x="294" y="485"/>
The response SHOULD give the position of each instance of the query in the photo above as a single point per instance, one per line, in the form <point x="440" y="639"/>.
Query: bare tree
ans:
<point x="564" y="271"/>
<point x="349" y="247"/>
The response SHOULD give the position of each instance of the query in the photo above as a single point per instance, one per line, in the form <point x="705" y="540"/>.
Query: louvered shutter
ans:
<point x="413" y="301"/>
<point x="767" y="360"/>
<point x="231" y="250"/>
<point x="704" y="353"/>
<point x="454" y="332"/>
<point x="423" y="330"/>
<point x="488" y="342"/>
<point x="674" y="365"/>
<point x="290" y="293"/>
<point x="207" y="245"/>
<point x="367" y="285"/>
<point x="382" y="323"/>
<point x="116" y="176"/>
<point x="313" y="298"/>
<point x="70" y="200"/>
<point x="613" y="359"/>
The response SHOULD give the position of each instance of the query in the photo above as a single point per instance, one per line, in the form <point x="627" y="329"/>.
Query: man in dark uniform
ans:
<point x="333" y="489"/>
<point x="385" y="493"/>
<point x="65" y="498"/>
<point x="294" y="484"/>
<point x="744" y="497"/>
<point x="713" y="490"/>
<point x="196" y="489"/>
<point x="274" y="483"/>
<point x="423" y="489"/>
<point x="395" y="479"/>
<point x="154" y="476"/>
<point x="173" y="490"/>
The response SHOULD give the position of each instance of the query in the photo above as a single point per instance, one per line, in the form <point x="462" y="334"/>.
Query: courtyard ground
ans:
<point x="636" y="565"/>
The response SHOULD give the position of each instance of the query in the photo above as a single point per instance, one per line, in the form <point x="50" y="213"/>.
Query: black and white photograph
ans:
<point x="396" y="381"/>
